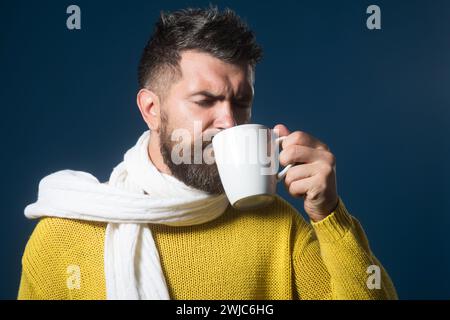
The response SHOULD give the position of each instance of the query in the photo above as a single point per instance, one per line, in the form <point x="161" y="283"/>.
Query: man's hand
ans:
<point x="313" y="175"/>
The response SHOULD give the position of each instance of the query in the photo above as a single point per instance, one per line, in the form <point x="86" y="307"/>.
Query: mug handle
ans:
<point x="282" y="173"/>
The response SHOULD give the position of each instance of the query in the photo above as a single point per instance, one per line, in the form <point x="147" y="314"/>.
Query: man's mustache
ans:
<point x="205" y="139"/>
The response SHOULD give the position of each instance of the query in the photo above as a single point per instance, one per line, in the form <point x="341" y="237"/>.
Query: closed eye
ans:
<point x="210" y="102"/>
<point x="205" y="103"/>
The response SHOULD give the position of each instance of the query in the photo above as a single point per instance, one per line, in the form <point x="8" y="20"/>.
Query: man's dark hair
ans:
<point x="222" y="34"/>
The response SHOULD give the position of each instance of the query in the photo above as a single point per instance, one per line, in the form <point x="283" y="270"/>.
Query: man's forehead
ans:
<point x="201" y="71"/>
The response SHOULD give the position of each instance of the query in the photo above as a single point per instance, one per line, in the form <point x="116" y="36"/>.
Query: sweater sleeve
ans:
<point x="332" y="260"/>
<point x="27" y="289"/>
<point x="42" y="273"/>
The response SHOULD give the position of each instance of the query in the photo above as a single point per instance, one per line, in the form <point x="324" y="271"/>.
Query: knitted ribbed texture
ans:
<point x="271" y="253"/>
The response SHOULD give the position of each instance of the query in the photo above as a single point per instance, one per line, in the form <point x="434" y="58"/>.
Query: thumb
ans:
<point x="281" y="130"/>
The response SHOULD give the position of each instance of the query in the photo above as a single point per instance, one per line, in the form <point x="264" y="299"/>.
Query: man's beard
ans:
<point x="200" y="176"/>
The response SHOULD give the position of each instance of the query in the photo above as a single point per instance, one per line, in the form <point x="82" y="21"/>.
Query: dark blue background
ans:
<point x="379" y="99"/>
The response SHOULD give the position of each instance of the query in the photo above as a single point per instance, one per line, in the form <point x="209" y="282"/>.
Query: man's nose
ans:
<point x="225" y="117"/>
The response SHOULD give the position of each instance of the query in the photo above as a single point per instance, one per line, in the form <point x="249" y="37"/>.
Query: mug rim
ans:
<point x="240" y="127"/>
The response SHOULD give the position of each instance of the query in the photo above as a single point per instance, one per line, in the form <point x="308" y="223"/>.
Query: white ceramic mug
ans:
<point x="247" y="157"/>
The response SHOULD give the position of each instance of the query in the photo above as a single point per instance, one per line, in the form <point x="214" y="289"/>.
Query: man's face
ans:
<point x="211" y="96"/>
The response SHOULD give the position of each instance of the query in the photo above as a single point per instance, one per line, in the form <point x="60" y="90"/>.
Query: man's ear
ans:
<point x="149" y="105"/>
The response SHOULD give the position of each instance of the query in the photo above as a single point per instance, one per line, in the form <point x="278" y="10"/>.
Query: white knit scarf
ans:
<point x="136" y="194"/>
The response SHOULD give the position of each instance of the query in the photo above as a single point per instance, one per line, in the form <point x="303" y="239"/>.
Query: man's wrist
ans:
<point x="335" y="225"/>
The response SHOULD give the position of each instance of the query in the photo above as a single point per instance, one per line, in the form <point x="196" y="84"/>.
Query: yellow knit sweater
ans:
<point x="270" y="253"/>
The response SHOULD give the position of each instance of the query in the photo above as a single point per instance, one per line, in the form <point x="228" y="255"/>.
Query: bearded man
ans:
<point x="158" y="229"/>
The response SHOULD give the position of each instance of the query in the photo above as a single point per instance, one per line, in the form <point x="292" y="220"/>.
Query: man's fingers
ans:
<point x="302" y="154"/>
<point x="304" y="139"/>
<point x="281" y="130"/>
<point x="300" y="171"/>
<point x="300" y="188"/>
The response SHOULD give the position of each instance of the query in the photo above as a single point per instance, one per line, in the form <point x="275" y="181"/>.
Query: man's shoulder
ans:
<point x="59" y="248"/>
<point x="54" y="227"/>
<point x="54" y="236"/>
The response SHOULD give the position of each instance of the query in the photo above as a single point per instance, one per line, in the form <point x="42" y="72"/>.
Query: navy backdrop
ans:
<point x="379" y="99"/>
